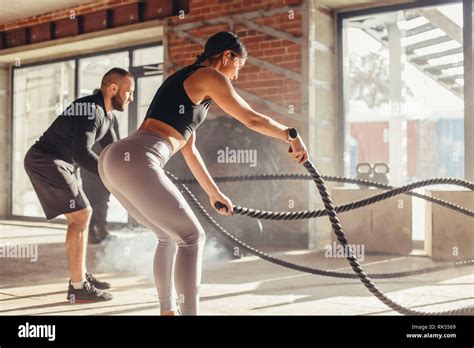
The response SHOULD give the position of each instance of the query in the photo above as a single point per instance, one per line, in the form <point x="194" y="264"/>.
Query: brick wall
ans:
<point x="254" y="79"/>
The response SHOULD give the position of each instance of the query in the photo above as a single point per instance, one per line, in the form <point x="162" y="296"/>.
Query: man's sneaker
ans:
<point x="93" y="238"/>
<point x="97" y="283"/>
<point x="88" y="294"/>
<point x="103" y="233"/>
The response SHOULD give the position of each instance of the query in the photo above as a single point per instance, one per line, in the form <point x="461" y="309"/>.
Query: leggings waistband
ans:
<point x="153" y="142"/>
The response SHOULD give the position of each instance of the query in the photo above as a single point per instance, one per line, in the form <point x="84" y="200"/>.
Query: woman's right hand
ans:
<point x="298" y="151"/>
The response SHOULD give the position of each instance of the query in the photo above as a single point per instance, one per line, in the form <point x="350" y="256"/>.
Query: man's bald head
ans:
<point x="115" y="75"/>
<point x="118" y="85"/>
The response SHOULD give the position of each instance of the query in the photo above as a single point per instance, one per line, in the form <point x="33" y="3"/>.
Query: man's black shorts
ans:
<point x="54" y="182"/>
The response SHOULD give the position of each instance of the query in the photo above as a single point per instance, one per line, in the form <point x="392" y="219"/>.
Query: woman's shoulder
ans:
<point x="206" y="74"/>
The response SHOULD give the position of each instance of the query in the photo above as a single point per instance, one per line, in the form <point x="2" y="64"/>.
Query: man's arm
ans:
<point x="109" y="137"/>
<point x="84" y="138"/>
<point x="116" y="127"/>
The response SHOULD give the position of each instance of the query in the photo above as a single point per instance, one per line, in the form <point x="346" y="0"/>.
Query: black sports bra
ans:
<point x="172" y="105"/>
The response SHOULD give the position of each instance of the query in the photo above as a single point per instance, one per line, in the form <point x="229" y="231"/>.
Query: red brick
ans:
<point x="94" y="21"/>
<point x="157" y="9"/>
<point x="16" y="37"/>
<point x="40" y="32"/>
<point x="124" y="15"/>
<point x="66" y="27"/>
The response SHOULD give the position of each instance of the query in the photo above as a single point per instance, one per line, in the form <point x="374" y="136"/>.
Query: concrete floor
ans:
<point x="248" y="286"/>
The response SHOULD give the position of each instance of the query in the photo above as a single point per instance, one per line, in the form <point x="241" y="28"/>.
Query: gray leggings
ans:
<point x="131" y="169"/>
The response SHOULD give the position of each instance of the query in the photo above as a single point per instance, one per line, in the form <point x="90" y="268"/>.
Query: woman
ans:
<point x="131" y="168"/>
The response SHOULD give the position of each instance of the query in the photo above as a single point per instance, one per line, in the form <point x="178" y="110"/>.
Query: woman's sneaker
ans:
<point x="88" y="294"/>
<point x="97" y="283"/>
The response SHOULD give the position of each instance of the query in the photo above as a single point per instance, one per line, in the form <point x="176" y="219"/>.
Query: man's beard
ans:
<point x="117" y="103"/>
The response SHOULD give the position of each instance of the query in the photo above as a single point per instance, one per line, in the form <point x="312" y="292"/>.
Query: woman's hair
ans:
<point x="219" y="42"/>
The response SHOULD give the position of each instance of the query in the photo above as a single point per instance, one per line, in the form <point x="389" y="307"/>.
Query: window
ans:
<point x="403" y="91"/>
<point x="39" y="94"/>
<point x="403" y="80"/>
<point x="42" y="91"/>
<point x="148" y="55"/>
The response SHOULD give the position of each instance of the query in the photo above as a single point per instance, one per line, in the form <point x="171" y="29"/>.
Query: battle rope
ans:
<point x="305" y="214"/>
<point x="332" y="213"/>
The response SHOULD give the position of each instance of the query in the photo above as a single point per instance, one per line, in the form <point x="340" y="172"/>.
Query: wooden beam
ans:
<point x="414" y="57"/>
<point x="187" y="36"/>
<point x="276" y="69"/>
<point x="427" y="43"/>
<point x="243" y="16"/>
<point x="268" y="103"/>
<point x="430" y="68"/>
<point x="440" y="20"/>
<point x="268" y="13"/>
<point x="420" y="29"/>
<point x="252" y="60"/>
<point x="270" y="31"/>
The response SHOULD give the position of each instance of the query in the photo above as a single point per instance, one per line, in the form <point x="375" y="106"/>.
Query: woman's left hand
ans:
<point x="220" y="197"/>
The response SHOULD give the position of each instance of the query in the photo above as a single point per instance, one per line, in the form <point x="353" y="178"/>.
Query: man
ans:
<point x="98" y="195"/>
<point x="50" y="164"/>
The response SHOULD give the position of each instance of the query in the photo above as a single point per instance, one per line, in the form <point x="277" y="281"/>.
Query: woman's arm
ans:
<point x="223" y="93"/>
<point x="219" y="88"/>
<point x="198" y="168"/>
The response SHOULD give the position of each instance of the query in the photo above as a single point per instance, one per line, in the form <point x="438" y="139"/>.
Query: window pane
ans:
<point x="40" y="94"/>
<point x="149" y="55"/>
<point x="147" y="87"/>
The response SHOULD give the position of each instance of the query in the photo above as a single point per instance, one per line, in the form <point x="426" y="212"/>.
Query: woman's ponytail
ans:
<point x="218" y="43"/>
<point x="200" y="58"/>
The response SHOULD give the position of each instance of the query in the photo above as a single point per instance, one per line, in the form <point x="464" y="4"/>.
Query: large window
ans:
<point x="403" y="81"/>
<point x="40" y="92"/>
<point x="403" y="91"/>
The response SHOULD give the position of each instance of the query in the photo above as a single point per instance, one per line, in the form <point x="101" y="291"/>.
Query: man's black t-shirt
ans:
<point x="73" y="133"/>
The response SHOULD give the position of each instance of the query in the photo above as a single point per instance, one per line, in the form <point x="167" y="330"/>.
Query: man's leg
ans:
<point x="101" y="219"/>
<point x="98" y="196"/>
<point x="76" y="242"/>
<point x="83" y="288"/>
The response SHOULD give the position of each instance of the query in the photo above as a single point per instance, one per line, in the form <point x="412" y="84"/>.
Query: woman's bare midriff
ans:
<point x="166" y="131"/>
